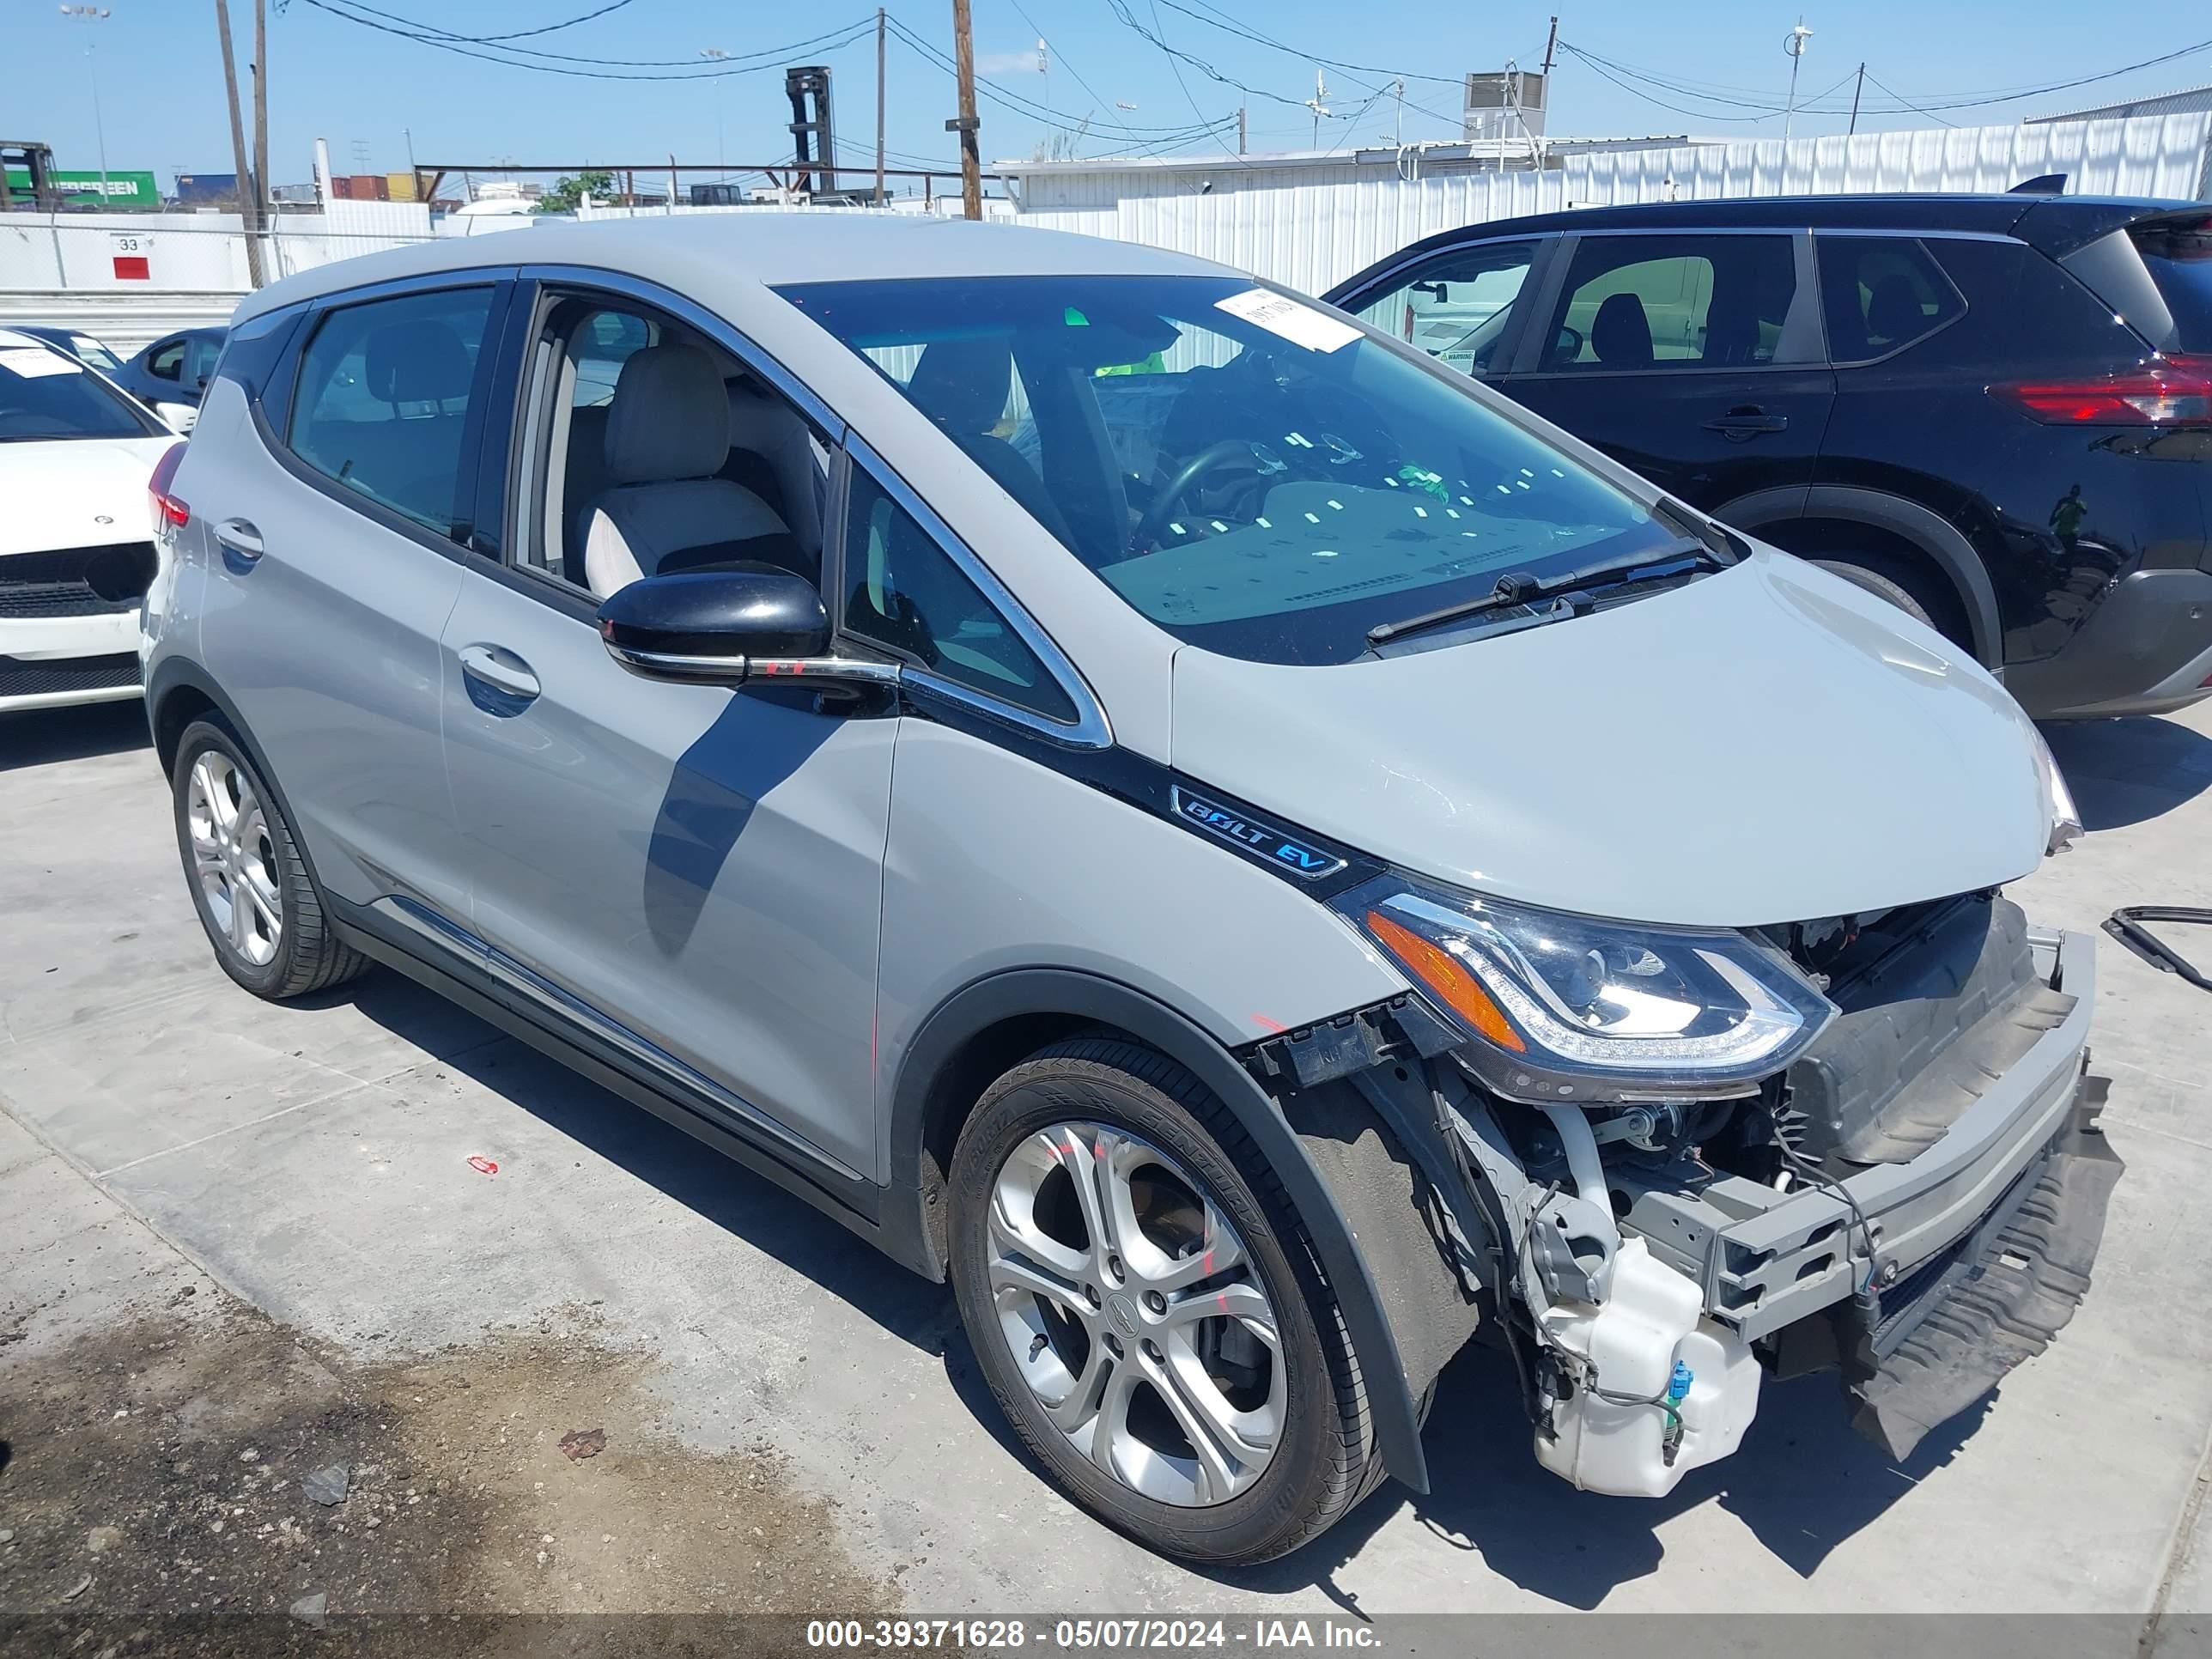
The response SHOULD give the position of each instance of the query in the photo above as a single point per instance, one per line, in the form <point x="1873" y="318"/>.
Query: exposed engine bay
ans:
<point x="1647" y="1263"/>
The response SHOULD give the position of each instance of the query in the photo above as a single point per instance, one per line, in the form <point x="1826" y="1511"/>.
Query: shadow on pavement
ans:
<point x="2125" y="771"/>
<point x="44" y="736"/>
<point x="724" y="1193"/>
<point x="1802" y="1483"/>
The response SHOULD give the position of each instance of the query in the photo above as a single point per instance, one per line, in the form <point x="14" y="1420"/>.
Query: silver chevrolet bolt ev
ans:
<point x="1243" y="851"/>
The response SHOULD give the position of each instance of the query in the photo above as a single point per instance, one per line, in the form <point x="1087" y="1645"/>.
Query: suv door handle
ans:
<point x="501" y="670"/>
<point x="240" y="536"/>
<point x="1747" y="421"/>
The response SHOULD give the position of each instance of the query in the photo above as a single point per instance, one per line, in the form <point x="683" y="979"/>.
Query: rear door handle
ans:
<point x="1747" y="422"/>
<point x="240" y="536"/>
<point x="502" y="670"/>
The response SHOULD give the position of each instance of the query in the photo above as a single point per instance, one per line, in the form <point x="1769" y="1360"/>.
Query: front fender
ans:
<point x="1029" y="1004"/>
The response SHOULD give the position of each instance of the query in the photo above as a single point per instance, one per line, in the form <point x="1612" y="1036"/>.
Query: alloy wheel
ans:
<point x="1135" y="1314"/>
<point x="234" y="858"/>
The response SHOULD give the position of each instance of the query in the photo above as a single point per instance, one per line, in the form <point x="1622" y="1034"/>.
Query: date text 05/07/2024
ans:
<point x="1133" y="1635"/>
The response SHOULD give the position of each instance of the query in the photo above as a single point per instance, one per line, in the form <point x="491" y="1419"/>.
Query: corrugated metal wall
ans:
<point x="1315" y="233"/>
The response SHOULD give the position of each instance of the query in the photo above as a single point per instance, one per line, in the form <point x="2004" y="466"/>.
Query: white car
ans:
<point x="77" y="551"/>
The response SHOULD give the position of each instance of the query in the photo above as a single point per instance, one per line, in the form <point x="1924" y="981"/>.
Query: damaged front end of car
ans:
<point x="1666" y="1163"/>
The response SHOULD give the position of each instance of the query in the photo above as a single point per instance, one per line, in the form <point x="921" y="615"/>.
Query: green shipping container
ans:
<point x="126" y="191"/>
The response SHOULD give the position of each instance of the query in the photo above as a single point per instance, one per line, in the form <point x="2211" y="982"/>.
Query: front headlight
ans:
<point x="2061" y="817"/>
<point x="1567" y="1008"/>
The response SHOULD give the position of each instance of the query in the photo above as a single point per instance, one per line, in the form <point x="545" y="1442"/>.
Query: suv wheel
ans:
<point x="249" y="884"/>
<point x="1144" y="1303"/>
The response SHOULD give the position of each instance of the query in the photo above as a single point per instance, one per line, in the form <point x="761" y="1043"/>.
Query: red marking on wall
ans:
<point x="484" y="1166"/>
<point x="132" y="268"/>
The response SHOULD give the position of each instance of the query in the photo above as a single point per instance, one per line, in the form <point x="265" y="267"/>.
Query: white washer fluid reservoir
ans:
<point x="1652" y="1320"/>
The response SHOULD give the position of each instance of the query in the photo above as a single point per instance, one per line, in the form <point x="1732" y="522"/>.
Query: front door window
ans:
<point x="1456" y="308"/>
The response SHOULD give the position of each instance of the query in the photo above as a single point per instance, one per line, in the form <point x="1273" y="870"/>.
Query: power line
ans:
<point x="493" y="39"/>
<point x="1221" y="20"/>
<point x="1915" y="108"/>
<point x="1029" y="107"/>
<point x="1624" y="74"/>
<point x="692" y="70"/>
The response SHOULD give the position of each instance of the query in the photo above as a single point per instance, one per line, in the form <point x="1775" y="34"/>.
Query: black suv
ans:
<point x="1994" y="410"/>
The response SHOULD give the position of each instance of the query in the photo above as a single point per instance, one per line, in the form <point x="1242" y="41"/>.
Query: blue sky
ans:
<point x="160" y="84"/>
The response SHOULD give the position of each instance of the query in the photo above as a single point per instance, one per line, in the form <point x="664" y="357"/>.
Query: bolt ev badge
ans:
<point x="1255" y="837"/>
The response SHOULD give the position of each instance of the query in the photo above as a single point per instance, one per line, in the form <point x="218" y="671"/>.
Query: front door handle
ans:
<point x="240" y="536"/>
<point x="501" y="670"/>
<point x="1747" y="421"/>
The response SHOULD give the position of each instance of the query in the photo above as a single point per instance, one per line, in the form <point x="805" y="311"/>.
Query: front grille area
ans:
<point x="75" y="581"/>
<point x="20" y="678"/>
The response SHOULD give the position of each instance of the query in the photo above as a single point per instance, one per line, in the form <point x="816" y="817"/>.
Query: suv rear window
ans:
<point x="1881" y="293"/>
<point x="2177" y="253"/>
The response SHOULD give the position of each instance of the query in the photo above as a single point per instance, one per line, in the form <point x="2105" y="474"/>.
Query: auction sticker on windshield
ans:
<point x="33" y="363"/>
<point x="1301" y="325"/>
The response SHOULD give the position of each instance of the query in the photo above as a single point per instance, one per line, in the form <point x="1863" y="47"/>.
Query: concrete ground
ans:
<point x="314" y="1158"/>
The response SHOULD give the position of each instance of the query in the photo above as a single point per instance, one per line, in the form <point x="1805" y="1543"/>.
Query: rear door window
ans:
<point x="383" y="399"/>
<point x="1880" y="295"/>
<point x="2177" y="253"/>
<point x="1688" y="301"/>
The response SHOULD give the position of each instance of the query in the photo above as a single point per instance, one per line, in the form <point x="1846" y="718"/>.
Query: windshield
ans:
<point x="47" y="395"/>
<point x="95" y="354"/>
<point x="1251" y="472"/>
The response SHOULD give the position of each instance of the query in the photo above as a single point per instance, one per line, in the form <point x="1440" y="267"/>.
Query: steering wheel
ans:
<point x="1147" y="533"/>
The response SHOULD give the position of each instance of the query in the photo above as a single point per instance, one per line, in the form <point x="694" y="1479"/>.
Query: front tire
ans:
<point x="248" y="882"/>
<point x="1144" y="1305"/>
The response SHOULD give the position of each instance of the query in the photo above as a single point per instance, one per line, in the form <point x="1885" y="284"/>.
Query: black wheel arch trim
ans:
<point x="1067" y="993"/>
<point x="1933" y="535"/>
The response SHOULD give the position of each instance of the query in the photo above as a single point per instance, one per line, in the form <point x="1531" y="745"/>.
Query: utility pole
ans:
<point x="1855" y="91"/>
<point x="1551" y="44"/>
<point x="239" y="156"/>
<point x="715" y="54"/>
<point x="260" y="116"/>
<point x="1794" y="44"/>
<point x="1318" y="104"/>
<point x="879" y="106"/>
<point x="971" y="164"/>
<point x="91" y="15"/>
<point x="1398" y="132"/>
<point x="1240" y="129"/>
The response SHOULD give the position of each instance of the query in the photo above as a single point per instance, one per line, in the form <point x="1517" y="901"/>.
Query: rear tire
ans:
<point x="1201" y="1196"/>
<point x="249" y="884"/>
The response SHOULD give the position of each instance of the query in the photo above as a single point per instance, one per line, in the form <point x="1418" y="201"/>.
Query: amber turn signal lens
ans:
<point x="1444" y="974"/>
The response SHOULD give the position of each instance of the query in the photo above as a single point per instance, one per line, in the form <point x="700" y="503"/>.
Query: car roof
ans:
<point x="2038" y="218"/>
<point x="719" y="257"/>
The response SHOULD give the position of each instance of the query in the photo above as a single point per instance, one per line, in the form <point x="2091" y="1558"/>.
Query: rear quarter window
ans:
<point x="1880" y="295"/>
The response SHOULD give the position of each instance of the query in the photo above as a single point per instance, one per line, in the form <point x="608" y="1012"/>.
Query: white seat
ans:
<point x="668" y="434"/>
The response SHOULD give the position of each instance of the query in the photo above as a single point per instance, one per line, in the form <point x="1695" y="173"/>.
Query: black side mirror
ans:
<point x="726" y="626"/>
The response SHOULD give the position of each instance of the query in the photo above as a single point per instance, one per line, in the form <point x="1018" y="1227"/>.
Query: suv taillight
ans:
<point x="2174" y="390"/>
<point x="169" y="512"/>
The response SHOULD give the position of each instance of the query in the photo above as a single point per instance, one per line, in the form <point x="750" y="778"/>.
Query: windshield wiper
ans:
<point x="1520" y="587"/>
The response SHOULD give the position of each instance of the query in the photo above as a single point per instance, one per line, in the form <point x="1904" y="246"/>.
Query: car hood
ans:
<point x="58" y="493"/>
<point x="1765" y="744"/>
